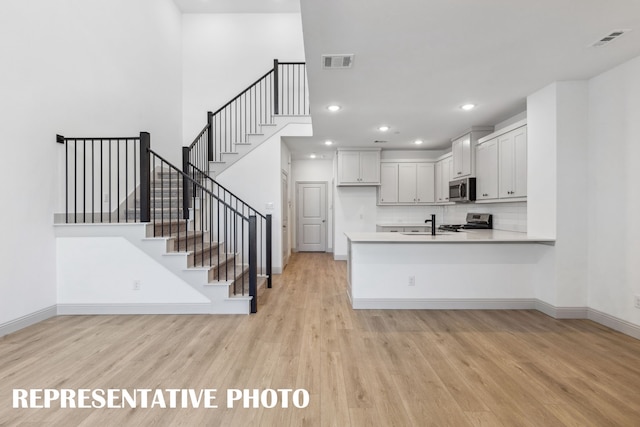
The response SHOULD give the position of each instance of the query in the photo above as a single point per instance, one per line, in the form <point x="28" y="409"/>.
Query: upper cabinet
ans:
<point x="359" y="167"/>
<point x="388" y="192"/>
<point x="487" y="170"/>
<point x="443" y="174"/>
<point x="512" y="166"/>
<point x="406" y="183"/>
<point x="462" y="157"/>
<point x="502" y="164"/>
<point x="463" y="150"/>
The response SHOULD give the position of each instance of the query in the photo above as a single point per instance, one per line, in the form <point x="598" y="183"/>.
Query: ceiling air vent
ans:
<point x="337" y="61"/>
<point x="377" y="141"/>
<point x="613" y="35"/>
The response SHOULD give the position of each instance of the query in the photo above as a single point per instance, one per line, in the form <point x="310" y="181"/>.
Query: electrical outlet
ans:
<point x="137" y="284"/>
<point x="636" y="301"/>
<point x="412" y="280"/>
<point x="105" y="197"/>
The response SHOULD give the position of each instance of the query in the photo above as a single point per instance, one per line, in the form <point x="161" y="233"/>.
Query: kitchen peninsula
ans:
<point x="465" y="270"/>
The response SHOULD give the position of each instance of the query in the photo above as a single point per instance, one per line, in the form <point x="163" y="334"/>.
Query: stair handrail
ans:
<point x="280" y="91"/>
<point x="208" y="202"/>
<point x="265" y="219"/>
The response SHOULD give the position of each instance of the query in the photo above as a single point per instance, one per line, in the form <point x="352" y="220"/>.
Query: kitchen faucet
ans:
<point x="433" y="224"/>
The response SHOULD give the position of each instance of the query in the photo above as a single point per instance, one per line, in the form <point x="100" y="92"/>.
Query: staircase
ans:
<point x="182" y="218"/>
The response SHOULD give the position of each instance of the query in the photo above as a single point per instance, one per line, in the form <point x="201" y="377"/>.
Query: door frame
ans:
<point x="326" y="213"/>
<point x="286" y="208"/>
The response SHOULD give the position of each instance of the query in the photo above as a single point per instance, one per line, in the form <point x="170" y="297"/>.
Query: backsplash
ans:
<point x="506" y="216"/>
<point x="407" y="214"/>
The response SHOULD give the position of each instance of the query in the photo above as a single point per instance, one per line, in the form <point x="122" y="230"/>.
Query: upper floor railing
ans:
<point x="283" y="90"/>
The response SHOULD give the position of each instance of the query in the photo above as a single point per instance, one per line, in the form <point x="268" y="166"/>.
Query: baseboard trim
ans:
<point x="442" y="304"/>
<point x="613" y="322"/>
<point x="561" y="312"/>
<point x="28" y="320"/>
<point x="339" y="257"/>
<point x="107" y="309"/>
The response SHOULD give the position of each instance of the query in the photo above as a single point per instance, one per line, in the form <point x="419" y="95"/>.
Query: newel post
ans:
<point x="145" y="177"/>
<point x="276" y="90"/>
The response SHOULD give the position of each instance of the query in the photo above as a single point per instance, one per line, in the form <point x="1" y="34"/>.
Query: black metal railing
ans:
<point x="263" y="222"/>
<point x="214" y="233"/>
<point x="102" y="179"/>
<point x="115" y="180"/>
<point x="282" y="90"/>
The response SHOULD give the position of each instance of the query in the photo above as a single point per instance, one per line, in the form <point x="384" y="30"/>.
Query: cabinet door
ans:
<point x="438" y="182"/>
<point x="425" y="189"/>
<point x="520" y="162"/>
<point x="462" y="156"/>
<point x="407" y="183"/>
<point x="512" y="163"/>
<point x="370" y="167"/>
<point x="348" y="166"/>
<point x="487" y="170"/>
<point x="388" y="183"/>
<point x="447" y="175"/>
<point x="505" y="165"/>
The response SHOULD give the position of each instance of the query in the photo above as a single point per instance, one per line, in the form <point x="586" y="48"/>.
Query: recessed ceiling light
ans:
<point x="418" y="141"/>
<point x="383" y="128"/>
<point x="334" y="108"/>
<point x="328" y="142"/>
<point x="312" y="156"/>
<point x="468" y="107"/>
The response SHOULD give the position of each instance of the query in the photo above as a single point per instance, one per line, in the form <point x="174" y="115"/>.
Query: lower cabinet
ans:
<point x="406" y="183"/>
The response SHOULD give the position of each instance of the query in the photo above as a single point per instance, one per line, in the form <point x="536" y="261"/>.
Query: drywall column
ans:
<point x="557" y="194"/>
<point x="614" y="153"/>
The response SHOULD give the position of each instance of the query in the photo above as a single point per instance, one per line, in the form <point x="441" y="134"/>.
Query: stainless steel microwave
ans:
<point x="462" y="190"/>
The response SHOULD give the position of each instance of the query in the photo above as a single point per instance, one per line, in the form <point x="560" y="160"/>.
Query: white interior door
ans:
<point x="285" y="219"/>
<point x="311" y="202"/>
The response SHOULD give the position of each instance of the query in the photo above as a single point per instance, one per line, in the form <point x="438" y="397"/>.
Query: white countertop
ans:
<point x="467" y="236"/>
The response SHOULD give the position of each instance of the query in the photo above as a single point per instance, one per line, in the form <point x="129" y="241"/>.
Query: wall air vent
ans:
<point x="337" y="61"/>
<point x="613" y="35"/>
<point x="377" y="141"/>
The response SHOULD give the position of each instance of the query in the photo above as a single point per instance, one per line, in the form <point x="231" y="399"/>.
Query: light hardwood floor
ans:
<point x="361" y="368"/>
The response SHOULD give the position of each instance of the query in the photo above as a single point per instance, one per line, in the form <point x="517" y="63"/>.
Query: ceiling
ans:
<point x="238" y="6"/>
<point x="416" y="62"/>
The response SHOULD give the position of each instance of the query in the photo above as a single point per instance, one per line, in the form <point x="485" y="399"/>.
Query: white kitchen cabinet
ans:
<point x="462" y="157"/>
<point x="388" y="183"/>
<point x="512" y="164"/>
<point x="359" y="167"/>
<point x="414" y="183"/>
<point x="425" y="185"/>
<point x="464" y="152"/>
<point x="487" y="170"/>
<point x="501" y="164"/>
<point x="442" y="173"/>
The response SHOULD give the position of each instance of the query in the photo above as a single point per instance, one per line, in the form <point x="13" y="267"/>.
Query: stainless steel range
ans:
<point x="475" y="221"/>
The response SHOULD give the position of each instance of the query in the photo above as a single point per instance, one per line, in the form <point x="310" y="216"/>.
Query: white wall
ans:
<point x="103" y="68"/>
<point x="614" y="203"/>
<point x="224" y="53"/>
<point x="256" y="179"/>
<point x="557" y="194"/>
<point x="313" y="170"/>
<point x="79" y="258"/>
<point x="541" y="162"/>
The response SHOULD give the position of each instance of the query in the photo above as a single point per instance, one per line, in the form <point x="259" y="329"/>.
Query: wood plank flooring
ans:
<point x="361" y="368"/>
